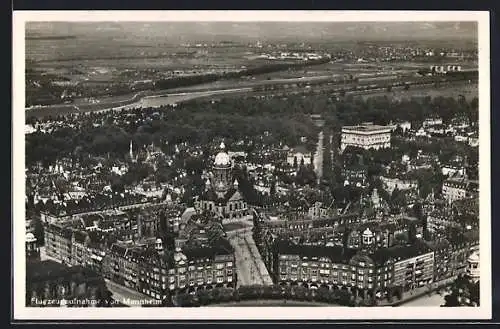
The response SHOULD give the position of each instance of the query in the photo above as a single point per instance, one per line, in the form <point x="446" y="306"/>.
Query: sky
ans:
<point x="246" y="31"/>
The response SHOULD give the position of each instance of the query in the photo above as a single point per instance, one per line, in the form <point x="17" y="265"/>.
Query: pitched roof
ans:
<point x="380" y="256"/>
<point x="337" y="254"/>
<point x="220" y="247"/>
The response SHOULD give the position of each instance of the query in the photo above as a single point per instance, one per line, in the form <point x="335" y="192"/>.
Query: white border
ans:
<point x="264" y="313"/>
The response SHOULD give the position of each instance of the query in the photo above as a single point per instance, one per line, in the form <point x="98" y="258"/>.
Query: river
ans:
<point x="171" y="99"/>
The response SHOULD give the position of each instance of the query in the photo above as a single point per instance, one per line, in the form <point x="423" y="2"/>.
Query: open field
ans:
<point x="469" y="91"/>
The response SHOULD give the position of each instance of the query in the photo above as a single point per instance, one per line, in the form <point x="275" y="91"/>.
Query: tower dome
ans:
<point x="222" y="158"/>
<point x="30" y="237"/>
<point x="473" y="266"/>
<point x="222" y="172"/>
<point x="367" y="237"/>
<point x="367" y="233"/>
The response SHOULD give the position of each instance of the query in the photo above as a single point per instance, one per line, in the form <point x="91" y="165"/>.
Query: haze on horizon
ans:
<point x="263" y="31"/>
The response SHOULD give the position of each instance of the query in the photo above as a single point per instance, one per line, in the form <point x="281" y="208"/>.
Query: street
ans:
<point x="128" y="296"/>
<point x="249" y="266"/>
<point x="318" y="158"/>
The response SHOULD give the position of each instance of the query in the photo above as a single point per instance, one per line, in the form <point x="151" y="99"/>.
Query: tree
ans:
<point x="412" y="233"/>
<point x="464" y="291"/>
<point x="398" y="199"/>
<point x="272" y="190"/>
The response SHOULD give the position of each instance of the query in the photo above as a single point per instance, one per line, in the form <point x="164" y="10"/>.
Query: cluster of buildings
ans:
<point x="142" y="239"/>
<point x="458" y="187"/>
<point x="158" y="249"/>
<point x="460" y="128"/>
<point x="351" y="251"/>
<point x="445" y="69"/>
<point x="293" y="56"/>
<point x="154" y="251"/>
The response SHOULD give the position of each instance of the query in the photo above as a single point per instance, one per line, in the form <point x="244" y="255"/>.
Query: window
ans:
<point x="219" y="266"/>
<point x="229" y="264"/>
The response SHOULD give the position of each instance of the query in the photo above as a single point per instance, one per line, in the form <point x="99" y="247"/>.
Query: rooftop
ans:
<point x="221" y="247"/>
<point x="366" y="127"/>
<point x="337" y="254"/>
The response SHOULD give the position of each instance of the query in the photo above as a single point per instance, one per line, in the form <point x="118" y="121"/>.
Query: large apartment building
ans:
<point x="159" y="273"/>
<point x="366" y="136"/>
<point x="344" y="268"/>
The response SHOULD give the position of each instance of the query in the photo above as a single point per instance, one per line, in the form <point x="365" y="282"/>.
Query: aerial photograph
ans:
<point x="251" y="164"/>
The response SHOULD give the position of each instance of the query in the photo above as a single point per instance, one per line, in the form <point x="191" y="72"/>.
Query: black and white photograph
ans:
<point x="251" y="165"/>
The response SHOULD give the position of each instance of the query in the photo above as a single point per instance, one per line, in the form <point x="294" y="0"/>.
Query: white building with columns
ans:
<point x="366" y="136"/>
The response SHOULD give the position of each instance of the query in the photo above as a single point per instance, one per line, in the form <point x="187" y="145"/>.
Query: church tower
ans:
<point x="222" y="172"/>
<point x="375" y="199"/>
<point x="131" y="152"/>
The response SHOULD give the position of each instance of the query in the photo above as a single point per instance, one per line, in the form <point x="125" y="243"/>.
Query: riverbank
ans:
<point x="164" y="97"/>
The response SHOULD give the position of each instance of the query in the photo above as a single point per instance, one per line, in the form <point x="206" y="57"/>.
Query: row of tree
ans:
<point x="276" y="292"/>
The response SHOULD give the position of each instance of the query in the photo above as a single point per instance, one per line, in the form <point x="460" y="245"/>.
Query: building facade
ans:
<point x="57" y="239"/>
<point x="392" y="183"/>
<point x="366" y="136"/>
<point x="459" y="187"/>
<point x="414" y="272"/>
<point x="344" y="268"/>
